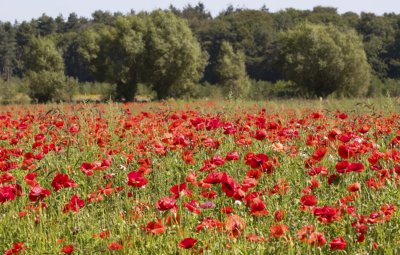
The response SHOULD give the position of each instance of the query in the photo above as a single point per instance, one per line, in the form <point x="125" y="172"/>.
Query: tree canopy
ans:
<point x="322" y="59"/>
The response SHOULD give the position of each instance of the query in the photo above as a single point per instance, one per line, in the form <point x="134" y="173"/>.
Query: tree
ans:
<point x="232" y="72"/>
<point x="174" y="61"/>
<point x="324" y="15"/>
<point x="378" y="34"/>
<point x="249" y="31"/>
<point x="115" y="53"/>
<point x="45" y="72"/>
<point x="46" y="25"/>
<point x="43" y="56"/>
<point x="322" y="60"/>
<point x="197" y="16"/>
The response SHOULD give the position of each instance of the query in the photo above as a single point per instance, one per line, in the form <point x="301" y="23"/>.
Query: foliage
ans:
<point x="157" y="49"/>
<point x="263" y="90"/>
<point x="174" y="61"/>
<point x="14" y="91"/>
<point x="51" y="86"/>
<point x="231" y="72"/>
<point x="43" y="56"/>
<point x="171" y="50"/>
<point x="323" y="59"/>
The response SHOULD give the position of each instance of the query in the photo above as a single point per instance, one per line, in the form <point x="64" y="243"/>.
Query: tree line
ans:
<point x="186" y="52"/>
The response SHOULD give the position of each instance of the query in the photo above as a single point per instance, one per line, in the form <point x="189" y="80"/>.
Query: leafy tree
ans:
<point x="323" y="60"/>
<point x="289" y="18"/>
<point x="378" y="34"/>
<point x="115" y="52"/>
<point x="43" y="56"/>
<point x="351" y="19"/>
<point x="102" y="17"/>
<point x="46" y="25"/>
<point x="75" y="65"/>
<point x="45" y="72"/>
<point x="173" y="61"/>
<point x="232" y="72"/>
<point x="197" y="16"/>
<point x="249" y="31"/>
<point x="393" y="56"/>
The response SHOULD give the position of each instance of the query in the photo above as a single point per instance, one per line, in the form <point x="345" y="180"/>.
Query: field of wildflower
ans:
<point x="200" y="178"/>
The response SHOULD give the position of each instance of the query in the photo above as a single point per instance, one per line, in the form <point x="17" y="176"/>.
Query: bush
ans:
<point x="104" y="89"/>
<point x="14" y="91"/>
<point x="388" y="87"/>
<point x="47" y="86"/>
<point x="261" y="90"/>
<point x="207" y="90"/>
<point x="391" y="88"/>
<point x="145" y="92"/>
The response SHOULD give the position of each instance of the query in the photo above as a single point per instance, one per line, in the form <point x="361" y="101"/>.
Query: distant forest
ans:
<point x="240" y="53"/>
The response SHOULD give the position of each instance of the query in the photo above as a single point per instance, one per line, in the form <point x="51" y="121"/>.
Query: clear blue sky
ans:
<point x="11" y="10"/>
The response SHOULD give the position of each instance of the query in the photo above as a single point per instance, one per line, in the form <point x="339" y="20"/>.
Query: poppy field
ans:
<point x="199" y="178"/>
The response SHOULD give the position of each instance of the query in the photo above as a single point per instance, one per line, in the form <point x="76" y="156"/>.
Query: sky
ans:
<point x="20" y="10"/>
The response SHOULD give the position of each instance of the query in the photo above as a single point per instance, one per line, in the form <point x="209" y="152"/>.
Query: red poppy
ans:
<point x="210" y="194"/>
<point x="319" y="154"/>
<point x="38" y="193"/>
<point x="257" y="207"/>
<point x="257" y="160"/>
<point x="355" y="167"/>
<point x="103" y="234"/>
<point x="255" y="239"/>
<point x="213" y="178"/>
<point x="166" y="203"/>
<point x="7" y="177"/>
<point x="338" y="244"/>
<point x="317" y="239"/>
<point x="217" y="160"/>
<point x="62" y="181"/>
<point x="308" y="200"/>
<point x="279" y="215"/>
<point x="209" y="223"/>
<point x="354" y="187"/>
<point x="304" y="233"/>
<point x="136" y="179"/>
<point x="234" y="225"/>
<point x="233" y="155"/>
<point x="229" y="185"/>
<point x="30" y="179"/>
<point x="193" y="206"/>
<point x="9" y="192"/>
<point x="155" y="227"/>
<point x="347" y="151"/>
<point x="74" y="204"/>
<point x="87" y="168"/>
<point x="227" y="210"/>
<point x="16" y="248"/>
<point x="191" y="177"/>
<point x="279" y="230"/>
<point x="115" y="246"/>
<point x="261" y="134"/>
<point x="187" y="243"/>
<point x="180" y="189"/>
<point x="326" y="214"/>
<point x="68" y="249"/>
